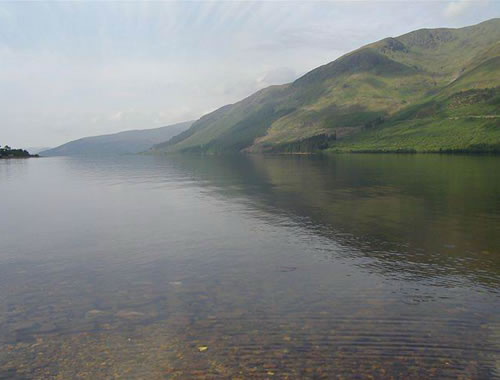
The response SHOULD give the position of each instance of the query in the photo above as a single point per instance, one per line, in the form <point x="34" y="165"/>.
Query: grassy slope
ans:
<point x="404" y="93"/>
<point x="233" y="127"/>
<point x="463" y="117"/>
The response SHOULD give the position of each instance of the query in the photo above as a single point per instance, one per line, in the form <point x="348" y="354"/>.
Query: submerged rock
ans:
<point x="130" y="314"/>
<point x="95" y="314"/>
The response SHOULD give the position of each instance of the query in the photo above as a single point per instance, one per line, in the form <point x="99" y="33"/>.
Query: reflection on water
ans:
<point x="250" y="267"/>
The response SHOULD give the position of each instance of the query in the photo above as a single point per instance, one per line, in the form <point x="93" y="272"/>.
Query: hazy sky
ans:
<point x="74" y="69"/>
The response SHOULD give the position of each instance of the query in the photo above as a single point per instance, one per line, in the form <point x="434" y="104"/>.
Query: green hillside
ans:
<point x="428" y="90"/>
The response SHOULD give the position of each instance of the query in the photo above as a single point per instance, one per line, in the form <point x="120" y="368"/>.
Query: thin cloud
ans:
<point x="460" y="7"/>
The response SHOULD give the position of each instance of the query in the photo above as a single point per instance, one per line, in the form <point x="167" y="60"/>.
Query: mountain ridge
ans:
<point x="337" y="105"/>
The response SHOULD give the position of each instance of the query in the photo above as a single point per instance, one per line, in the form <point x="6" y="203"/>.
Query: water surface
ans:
<point x="250" y="267"/>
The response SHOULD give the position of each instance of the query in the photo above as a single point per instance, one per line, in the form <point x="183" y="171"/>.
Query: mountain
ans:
<point x="37" y="149"/>
<point x="126" y="142"/>
<point x="428" y="90"/>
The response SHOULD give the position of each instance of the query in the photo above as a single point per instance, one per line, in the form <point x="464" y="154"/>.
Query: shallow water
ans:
<point x="351" y="266"/>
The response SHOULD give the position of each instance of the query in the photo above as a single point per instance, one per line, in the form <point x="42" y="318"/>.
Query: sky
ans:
<point x="76" y="69"/>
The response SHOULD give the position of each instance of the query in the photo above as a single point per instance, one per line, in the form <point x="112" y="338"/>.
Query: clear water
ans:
<point x="351" y="266"/>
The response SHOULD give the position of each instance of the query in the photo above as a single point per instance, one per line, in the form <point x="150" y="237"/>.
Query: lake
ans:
<point x="279" y="267"/>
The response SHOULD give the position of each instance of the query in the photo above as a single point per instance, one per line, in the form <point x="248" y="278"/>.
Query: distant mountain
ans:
<point x="126" y="142"/>
<point x="428" y="90"/>
<point x="37" y="149"/>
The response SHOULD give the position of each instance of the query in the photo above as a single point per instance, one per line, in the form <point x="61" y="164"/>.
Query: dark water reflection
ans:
<point x="281" y="267"/>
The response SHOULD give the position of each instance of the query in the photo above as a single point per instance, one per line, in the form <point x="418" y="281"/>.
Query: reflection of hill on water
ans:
<point x="423" y="216"/>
